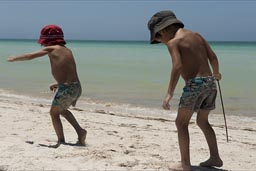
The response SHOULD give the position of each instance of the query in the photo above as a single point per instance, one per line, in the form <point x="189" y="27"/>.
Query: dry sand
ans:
<point x="116" y="140"/>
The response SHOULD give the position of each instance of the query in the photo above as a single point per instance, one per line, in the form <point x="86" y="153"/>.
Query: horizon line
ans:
<point x="115" y="40"/>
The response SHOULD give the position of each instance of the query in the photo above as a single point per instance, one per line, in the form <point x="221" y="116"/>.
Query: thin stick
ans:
<point x="223" y="110"/>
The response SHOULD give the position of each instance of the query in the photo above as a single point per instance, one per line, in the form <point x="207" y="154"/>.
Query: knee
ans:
<point x="181" y="124"/>
<point x="54" y="112"/>
<point x="202" y="123"/>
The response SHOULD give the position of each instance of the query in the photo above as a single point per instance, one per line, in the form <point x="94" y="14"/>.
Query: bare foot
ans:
<point x="180" y="167"/>
<point x="82" y="137"/>
<point x="212" y="162"/>
<point x="58" y="144"/>
<point x="61" y="141"/>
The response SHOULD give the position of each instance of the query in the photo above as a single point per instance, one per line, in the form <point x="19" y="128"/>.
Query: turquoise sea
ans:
<point x="134" y="73"/>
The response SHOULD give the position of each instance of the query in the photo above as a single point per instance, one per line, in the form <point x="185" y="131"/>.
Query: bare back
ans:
<point x="62" y="64"/>
<point x="193" y="54"/>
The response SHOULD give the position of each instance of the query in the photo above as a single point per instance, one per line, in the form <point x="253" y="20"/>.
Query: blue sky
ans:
<point x="219" y="20"/>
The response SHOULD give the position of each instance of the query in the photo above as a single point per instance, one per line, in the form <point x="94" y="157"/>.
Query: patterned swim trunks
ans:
<point x="199" y="93"/>
<point x="67" y="95"/>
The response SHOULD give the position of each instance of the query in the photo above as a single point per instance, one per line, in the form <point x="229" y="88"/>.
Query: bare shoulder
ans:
<point x="191" y="39"/>
<point x="174" y="47"/>
<point x="57" y="49"/>
<point x="177" y="44"/>
<point x="174" y="43"/>
<point x="49" y="48"/>
<point x="198" y="36"/>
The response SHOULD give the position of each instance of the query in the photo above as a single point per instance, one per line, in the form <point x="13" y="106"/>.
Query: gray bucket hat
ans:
<point x="160" y="21"/>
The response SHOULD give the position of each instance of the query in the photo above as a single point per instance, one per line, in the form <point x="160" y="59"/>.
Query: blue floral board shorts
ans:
<point x="199" y="93"/>
<point x="67" y="95"/>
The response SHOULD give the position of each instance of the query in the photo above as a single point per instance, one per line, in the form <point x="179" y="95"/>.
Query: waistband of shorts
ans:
<point x="205" y="79"/>
<point x="71" y="83"/>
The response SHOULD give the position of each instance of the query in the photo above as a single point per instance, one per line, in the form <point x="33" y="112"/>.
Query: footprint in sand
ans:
<point x="129" y="163"/>
<point x="115" y="133"/>
<point x="128" y="125"/>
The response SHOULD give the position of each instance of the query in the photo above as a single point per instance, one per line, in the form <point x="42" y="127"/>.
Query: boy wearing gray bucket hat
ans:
<point x="191" y="56"/>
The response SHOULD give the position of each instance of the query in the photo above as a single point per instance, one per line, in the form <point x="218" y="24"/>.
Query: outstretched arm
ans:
<point x="29" y="56"/>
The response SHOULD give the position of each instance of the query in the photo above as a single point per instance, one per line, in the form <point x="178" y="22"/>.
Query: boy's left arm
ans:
<point x="213" y="60"/>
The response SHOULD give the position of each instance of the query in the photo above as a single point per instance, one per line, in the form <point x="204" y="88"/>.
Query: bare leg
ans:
<point x="182" y="122"/>
<point x="203" y="123"/>
<point x="55" y="115"/>
<point x="80" y="131"/>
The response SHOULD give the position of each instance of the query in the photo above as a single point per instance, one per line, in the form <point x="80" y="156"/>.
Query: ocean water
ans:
<point x="134" y="73"/>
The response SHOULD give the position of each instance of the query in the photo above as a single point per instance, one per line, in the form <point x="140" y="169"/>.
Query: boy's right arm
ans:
<point x="175" y="72"/>
<point x="29" y="56"/>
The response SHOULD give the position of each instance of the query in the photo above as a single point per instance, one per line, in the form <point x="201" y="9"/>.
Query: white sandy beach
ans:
<point x="116" y="140"/>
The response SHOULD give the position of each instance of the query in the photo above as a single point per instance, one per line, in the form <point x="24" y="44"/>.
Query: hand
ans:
<point x="11" y="59"/>
<point x="53" y="87"/>
<point x="166" y="101"/>
<point x="217" y="76"/>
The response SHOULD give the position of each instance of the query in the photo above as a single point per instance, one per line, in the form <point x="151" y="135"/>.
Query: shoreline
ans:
<point x="85" y="102"/>
<point x="119" y="138"/>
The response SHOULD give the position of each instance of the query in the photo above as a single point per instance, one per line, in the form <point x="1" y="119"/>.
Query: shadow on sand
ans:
<point x="58" y="144"/>
<point x="200" y="168"/>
